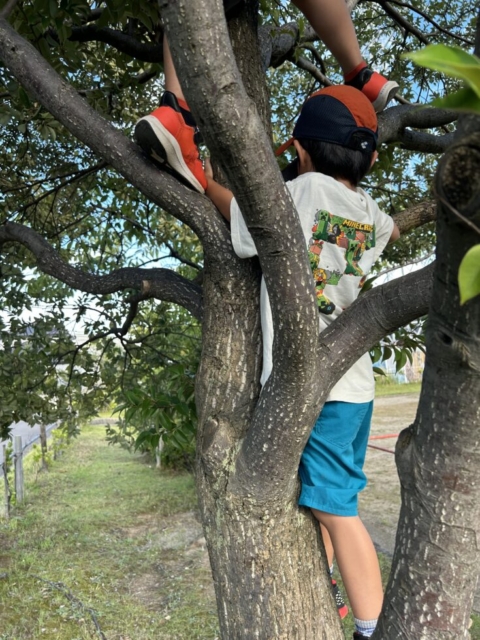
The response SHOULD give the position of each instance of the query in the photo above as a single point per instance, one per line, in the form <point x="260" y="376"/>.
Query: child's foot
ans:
<point x="167" y="136"/>
<point x="358" y="636"/>
<point x="339" y="601"/>
<point x="379" y="90"/>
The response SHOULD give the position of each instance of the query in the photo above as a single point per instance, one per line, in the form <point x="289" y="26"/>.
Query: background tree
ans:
<point x="87" y="226"/>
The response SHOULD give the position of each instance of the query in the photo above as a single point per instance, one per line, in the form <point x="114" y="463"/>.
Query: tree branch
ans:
<point x="162" y="284"/>
<point x="313" y="70"/>
<point x="416" y="216"/>
<point x="284" y="40"/>
<point x="393" y="123"/>
<point x="426" y="142"/>
<point x="432" y="22"/>
<point x="403" y="22"/>
<point x="146" y="52"/>
<point x="62" y="101"/>
<point x="237" y="140"/>
<point x="373" y="315"/>
<point x="8" y="8"/>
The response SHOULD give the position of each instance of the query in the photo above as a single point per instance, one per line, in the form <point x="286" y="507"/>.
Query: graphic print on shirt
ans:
<point x="352" y="239"/>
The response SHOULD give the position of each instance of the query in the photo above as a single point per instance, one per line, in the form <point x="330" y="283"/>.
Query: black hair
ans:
<point x="336" y="161"/>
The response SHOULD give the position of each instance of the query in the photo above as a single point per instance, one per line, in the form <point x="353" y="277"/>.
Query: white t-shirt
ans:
<point x="345" y="232"/>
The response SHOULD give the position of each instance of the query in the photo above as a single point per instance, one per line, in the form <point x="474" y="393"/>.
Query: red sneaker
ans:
<point x="379" y="90"/>
<point x="339" y="601"/>
<point x="167" y="135"/>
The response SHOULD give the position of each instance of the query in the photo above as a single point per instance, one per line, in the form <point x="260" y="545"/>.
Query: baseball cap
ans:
<point x="340" y="114"/>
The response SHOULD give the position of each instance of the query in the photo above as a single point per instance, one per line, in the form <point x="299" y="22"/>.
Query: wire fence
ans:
<point x="13" y="453"/>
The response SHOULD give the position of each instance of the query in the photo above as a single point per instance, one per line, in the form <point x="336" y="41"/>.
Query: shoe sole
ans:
<point x="159" y="144"/>
<point x="387" y="93"/>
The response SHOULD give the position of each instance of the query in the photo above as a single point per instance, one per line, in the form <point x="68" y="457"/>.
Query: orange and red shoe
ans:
<point x="339" y="601"/>
<point x="168" y="136"/>
<point x="379" y="90"/>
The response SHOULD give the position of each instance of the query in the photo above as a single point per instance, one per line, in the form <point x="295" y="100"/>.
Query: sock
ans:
<point x="365" y="627"/>
<point x="348" y="77"/>
<point x="183" y="104"/>
<point x="186" y="113"/>
<point x="330" y="571"/>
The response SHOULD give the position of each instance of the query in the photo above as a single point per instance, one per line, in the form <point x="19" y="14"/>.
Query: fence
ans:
<point x="16" y="456"/>
<point x="18" y="474"/>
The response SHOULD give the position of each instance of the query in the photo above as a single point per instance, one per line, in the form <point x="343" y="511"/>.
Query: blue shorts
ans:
<point x="331" y="467"/>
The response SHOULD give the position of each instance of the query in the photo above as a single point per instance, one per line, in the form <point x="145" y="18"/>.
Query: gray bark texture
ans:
<point x="436" y="564"/>
<point x="267" y="559"/>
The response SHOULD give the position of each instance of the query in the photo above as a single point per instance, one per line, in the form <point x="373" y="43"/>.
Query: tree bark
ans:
<point x="268" y="568"/>
<point x="436" y="563"/>
<point x="269" y="571"/>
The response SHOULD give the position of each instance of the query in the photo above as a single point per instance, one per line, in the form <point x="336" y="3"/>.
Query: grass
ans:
<point x="87" y="538"/>
<point x="388" y="388"/>
<point x="104" y="536"/>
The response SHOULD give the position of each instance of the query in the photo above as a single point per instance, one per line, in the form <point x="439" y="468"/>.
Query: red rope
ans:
<point x="372" y="446"/>
<point x="383" y="437"/>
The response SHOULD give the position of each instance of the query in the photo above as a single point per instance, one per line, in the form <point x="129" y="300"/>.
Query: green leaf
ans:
<point x="450" y="60"/>
<point x="469" y="275"/>
<point x="463" y="100"/>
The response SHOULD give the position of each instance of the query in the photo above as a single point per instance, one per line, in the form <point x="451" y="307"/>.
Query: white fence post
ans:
<point x="158" y="453"/>
<point x="18" y="458"/>
<point x="5" y="480"/>
<point x="43" y="446"/>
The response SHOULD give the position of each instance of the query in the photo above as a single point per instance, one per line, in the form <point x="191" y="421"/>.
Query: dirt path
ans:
<point x="380" y="502"/>
<point x="180" y="545"/>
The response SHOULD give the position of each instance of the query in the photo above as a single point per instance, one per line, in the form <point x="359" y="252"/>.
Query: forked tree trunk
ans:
<point x="270" y="577"/>
<point x="437" y="557"/>
<point x="269" y="573"/>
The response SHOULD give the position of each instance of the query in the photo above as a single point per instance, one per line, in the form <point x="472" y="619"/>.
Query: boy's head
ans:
<point x="338" y="128"/>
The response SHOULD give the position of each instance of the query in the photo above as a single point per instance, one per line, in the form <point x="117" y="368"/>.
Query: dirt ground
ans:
<point x="379" y="505"/>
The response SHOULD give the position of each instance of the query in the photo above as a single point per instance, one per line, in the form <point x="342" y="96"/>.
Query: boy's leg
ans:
<point x="339" y="601"/>
<point x="327" y="543"/>
<point x="168" y="134"/>
<point x="357" y="561"/>
<point x="331" y="471"/>
<point x="331" y="20"/>
<point x="172" y="82"/>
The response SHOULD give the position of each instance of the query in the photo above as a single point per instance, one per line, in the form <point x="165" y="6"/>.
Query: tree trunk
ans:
<point x="270" y="576"/>
<point x="435" y="568"/>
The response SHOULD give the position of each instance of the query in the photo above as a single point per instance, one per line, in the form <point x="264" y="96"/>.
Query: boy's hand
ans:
<point x="220" y="196"/>
<point x="207" y="167"/>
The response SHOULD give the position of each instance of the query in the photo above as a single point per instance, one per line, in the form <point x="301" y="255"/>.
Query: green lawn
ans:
<point x="385" y="387"/>
<point x="103" y="538"/>
<point x="86" y="542"/>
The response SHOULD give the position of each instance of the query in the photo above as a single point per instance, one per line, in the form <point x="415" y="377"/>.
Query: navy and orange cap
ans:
<point x="341" y="115"/>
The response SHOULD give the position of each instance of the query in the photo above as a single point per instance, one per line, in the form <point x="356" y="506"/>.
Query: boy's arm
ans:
<point x="220" y="196"/>
<point x="395" y="235"/>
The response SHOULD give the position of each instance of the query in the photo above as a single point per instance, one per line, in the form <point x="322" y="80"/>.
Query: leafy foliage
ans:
<point x="160" y="413"/>
<point x="457" y="63"/>
<point x="64" y="354"/>
<point x="469" y="275"/>
<point x="465" y="66"/>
